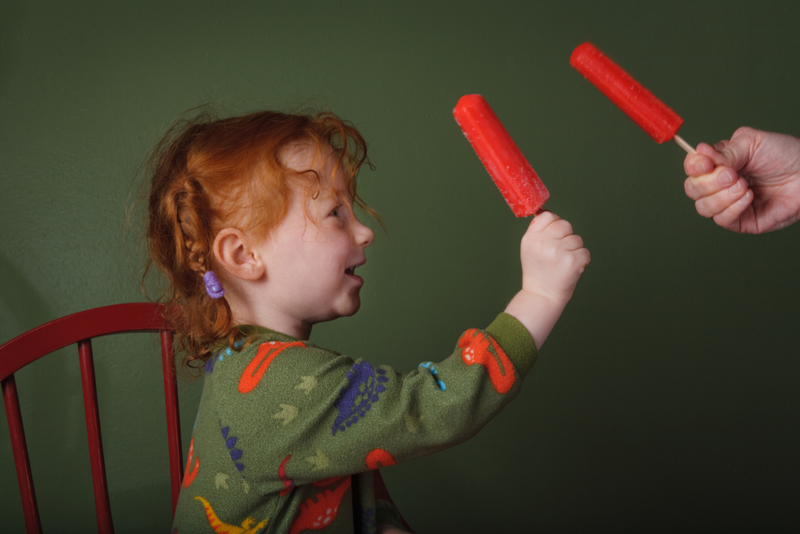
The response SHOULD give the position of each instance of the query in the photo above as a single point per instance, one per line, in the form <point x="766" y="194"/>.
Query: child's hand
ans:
<point x="748" y="184"/>
<point x="553" y="259"/>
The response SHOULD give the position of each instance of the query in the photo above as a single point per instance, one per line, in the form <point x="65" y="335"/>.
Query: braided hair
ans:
<point x="207" y="174"/>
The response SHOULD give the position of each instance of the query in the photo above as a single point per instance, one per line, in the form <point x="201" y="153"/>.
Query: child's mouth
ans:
<point x="352" y="268"/>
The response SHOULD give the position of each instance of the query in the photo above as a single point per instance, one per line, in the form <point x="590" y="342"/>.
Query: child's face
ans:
<point x="311" y="257"/>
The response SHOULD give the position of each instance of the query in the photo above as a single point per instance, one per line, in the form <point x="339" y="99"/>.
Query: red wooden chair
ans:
<point x="80" y="328"/>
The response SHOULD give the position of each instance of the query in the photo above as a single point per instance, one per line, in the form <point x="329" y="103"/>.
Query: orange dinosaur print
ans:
<point x="258" y="366"/>
<point x="188" y="478"/>
<point x="318" y="515"/>
<point x="475" y="346"/>
<point x="223" y="528"/>
<point x="378" y="458"/>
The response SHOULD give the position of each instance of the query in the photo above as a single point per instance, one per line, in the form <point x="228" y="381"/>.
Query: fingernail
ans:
<point x="737" y="187"/>
<point x="725" y="178"/>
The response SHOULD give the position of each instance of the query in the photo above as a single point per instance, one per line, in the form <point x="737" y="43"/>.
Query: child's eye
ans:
<point x="336" y="212"/>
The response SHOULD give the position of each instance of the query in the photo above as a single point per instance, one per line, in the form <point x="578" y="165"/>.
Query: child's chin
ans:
<point x="353" y="308"/>
<point x="344" y="311"/>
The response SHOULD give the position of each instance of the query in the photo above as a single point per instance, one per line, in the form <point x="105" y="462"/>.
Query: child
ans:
<point x="252" y="220"/>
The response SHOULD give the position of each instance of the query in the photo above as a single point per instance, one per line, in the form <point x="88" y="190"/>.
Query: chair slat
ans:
<point x="29" y="507"/>
<point x="173" y="417"/>
<point x="104" y="523"/>
<point x="80" y="328"/>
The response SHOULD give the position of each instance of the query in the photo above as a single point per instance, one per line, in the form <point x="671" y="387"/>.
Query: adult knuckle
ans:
<point x="745" y="131"/>
<point x="721" y="219"/>
<point x="703" y="209"/>
<point x="689" y="188"/>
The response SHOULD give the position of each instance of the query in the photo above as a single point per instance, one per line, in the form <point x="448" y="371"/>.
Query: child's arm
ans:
<point x="553" y="259"/>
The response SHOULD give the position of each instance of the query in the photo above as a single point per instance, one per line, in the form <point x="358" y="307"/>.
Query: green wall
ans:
<point x="667" y="398"/>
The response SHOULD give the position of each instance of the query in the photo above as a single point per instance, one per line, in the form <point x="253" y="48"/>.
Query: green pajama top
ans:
<point x="288" y="434"/>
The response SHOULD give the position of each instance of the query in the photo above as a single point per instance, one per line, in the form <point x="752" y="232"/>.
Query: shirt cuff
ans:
<point x="515" y="340"/>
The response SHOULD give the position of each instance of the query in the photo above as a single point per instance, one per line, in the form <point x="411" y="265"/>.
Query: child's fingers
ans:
<point x="559" y="229"/>
<point x="572" y="242"/>
<point x="715" y="204"/>
<point x="574" y="262"/>
<point x="708" y="184"/>
<point x="543" y="220"/>
<point x="583" y="257"/>
<point x="728" y="217"/>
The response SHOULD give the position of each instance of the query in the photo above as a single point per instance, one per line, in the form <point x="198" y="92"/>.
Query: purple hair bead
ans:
<point x="213" y="287"/>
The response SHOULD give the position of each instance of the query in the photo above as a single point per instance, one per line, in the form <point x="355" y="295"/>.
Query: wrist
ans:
<point x="557" y="297"/>
<point x="537" y="312"/>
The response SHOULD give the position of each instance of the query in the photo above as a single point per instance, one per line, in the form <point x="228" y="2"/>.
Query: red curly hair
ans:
<point x="208" y="174"/>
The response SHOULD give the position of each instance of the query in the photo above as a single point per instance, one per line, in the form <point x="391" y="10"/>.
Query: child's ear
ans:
<point x="233" y="252"/>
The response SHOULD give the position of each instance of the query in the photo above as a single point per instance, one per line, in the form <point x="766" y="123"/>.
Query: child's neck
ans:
<point x="291" y="327"/>
<point x="272" y="319"/>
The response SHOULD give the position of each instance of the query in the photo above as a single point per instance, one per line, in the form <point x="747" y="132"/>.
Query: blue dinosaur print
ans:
<point x="429" y="366"/>
<point x="230" y="444"/>
<point x="217" y="357"/>
<point x="212" y="361"/>
<point x="220" y="355"/>
<point x="355" y="399"/>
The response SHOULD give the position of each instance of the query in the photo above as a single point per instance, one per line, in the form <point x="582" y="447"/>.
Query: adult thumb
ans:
<point x="736" y="152"/>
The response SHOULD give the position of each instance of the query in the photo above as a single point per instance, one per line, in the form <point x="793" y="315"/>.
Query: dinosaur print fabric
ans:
<point x="288" y="433"/>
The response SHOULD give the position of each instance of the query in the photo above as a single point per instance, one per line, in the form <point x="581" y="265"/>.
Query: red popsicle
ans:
<point x="650" y="113"/>
<point x="511" y="172"/>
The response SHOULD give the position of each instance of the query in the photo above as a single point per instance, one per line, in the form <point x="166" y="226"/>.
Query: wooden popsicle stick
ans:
<point x="684" y="145"/>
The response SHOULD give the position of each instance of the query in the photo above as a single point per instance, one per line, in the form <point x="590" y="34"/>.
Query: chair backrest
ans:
<point x="80" y="328"/>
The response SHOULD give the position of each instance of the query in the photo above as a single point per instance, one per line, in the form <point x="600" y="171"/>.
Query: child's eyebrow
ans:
<point x="329" y="194"/>
<point x="339" y="192"/>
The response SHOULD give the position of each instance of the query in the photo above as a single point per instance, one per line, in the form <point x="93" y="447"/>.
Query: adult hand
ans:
<point x="749" y="184"/>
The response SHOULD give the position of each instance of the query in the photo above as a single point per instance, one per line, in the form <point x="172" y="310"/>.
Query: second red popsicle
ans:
<point x="650" y="113"/>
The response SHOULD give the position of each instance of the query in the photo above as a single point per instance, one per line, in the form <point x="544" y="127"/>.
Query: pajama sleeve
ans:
<point x="331" y="416"/>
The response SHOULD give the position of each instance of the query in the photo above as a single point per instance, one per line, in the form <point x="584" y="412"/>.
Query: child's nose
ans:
<point x="363" y="234"/>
